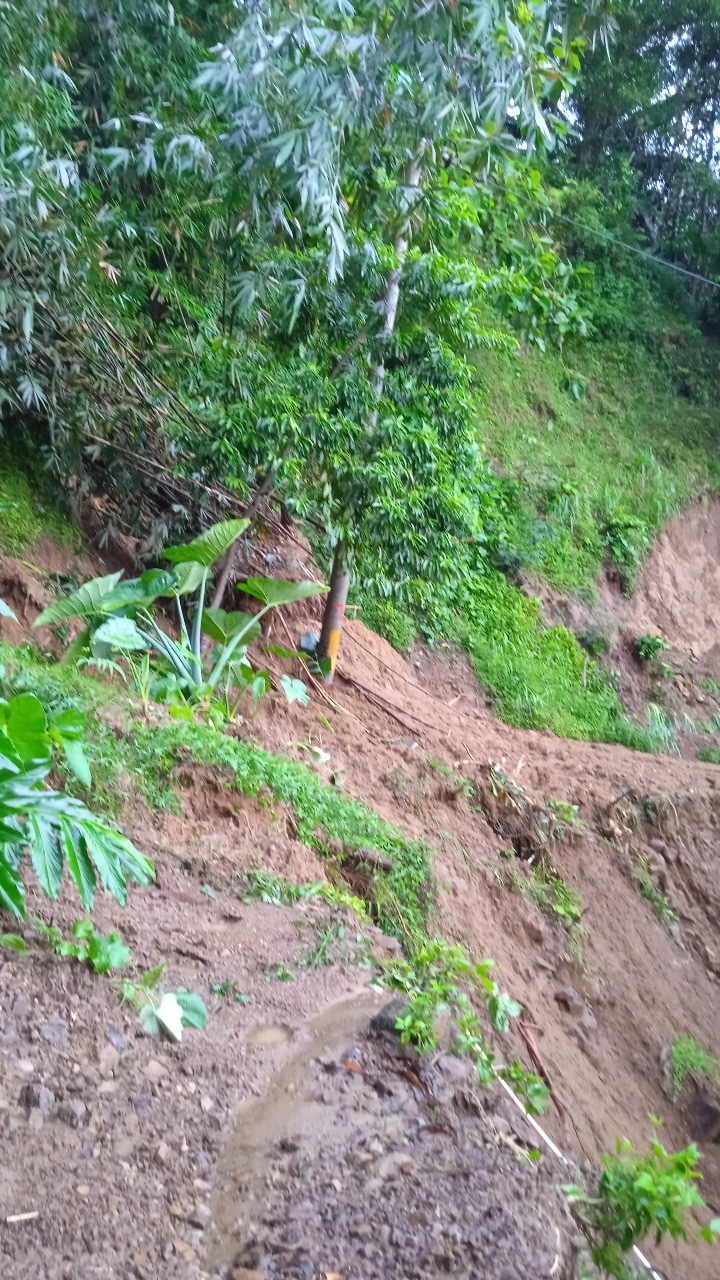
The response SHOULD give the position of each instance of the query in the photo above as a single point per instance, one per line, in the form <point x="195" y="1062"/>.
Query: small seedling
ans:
<point x="649" y="646"/>
<point x="280" y="973"/>
<point x="100" y="952"/>
<point x="225" y="988"/>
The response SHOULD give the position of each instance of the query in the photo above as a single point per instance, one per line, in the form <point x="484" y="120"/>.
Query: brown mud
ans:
<point x="252" y="1148"/>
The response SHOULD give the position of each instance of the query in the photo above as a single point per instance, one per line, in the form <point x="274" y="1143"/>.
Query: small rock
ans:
<point x="21" y="1008"/>
<point x="569" y="998"/>
<point x="538" y="932"/>
<point x="36" y="1096"/>
<point x="155" y="1071"/>
<point x="116" y="1039"/>
<point x="24" y="1067"/>
<point x="83" y="1190"/>
<point x="72" y="1111"/>
<point x="393" y="1165"/>
<point x="206" y="1104"/>
<point x="56" y="1033"/>
<point x="200" y="1217"/>
<point x="385" y="1020"/>
<point x="163" y="1154"/>
<point x="109" y="1060"/>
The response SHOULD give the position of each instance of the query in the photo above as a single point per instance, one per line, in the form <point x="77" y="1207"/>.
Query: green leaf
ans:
<point x="13" y="942"/>
<point x="12" y="891"/>
<point x="120" y="633"/>
<point x="107" y="953"/>
<point x="189" y="576"/>
<point x="150" y="1024"/>
<point x="222" y="626"/>
<point x="194" y="1012"/>
<point x="80" y="648"/>
<point x="26" y="727"/>
<point x="83" y="603"/>
<point x="46" y="854"/>
<point x="277" y="591"/>
<point x="81" y="868"/>
<point x="209" y="545"/>
<point x="140" y="591"/>
<point x="77" y="761"/>
<point x="179" y="711"/>
<point x="7" y="612"/>
<point x="152" y="976"/>
<point x="260" y="685"/>
<point x="83" y="929"/>
<point x="295" y="690"/>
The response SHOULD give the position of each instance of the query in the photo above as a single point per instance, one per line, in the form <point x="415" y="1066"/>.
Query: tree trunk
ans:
<point x="340" y="577"/>
<point x="334" y="614"/>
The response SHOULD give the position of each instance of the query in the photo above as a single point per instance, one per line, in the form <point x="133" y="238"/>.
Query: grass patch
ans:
<point x="24" y="517"/>
<point x="594" y="476"/>
<point x="709" y="755"/>
<point x="540" y="676"/>
<point x="554" y="897"/>
<point x="389" y="621"/>
<point x="321" y="813"/>
<point x="687" y="1055"/>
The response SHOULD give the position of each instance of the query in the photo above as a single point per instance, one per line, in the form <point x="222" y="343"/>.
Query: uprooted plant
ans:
<point x="433" y="980"/>
<point x="637" y="1196"/>
<point x="55" y="827"/>
<point x="120" y="622"/>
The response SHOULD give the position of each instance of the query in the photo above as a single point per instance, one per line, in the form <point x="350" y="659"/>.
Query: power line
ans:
<point x="606" y="235"/>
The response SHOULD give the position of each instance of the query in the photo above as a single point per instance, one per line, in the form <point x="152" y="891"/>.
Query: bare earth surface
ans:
<point x="285" y="1141"/>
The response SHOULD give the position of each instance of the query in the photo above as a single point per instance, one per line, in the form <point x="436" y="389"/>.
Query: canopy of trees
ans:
<point x="252" y="252"/>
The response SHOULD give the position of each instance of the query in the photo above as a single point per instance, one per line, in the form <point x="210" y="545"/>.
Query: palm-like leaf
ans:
<point x="209" y="545"/>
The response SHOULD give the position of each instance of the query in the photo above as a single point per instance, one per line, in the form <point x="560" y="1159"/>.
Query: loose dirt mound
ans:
<point x="678" y="594"/>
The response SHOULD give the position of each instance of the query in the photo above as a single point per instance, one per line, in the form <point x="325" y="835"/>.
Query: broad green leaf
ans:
<point x="26" y="727"/>
<point x="295" y="690"/>
<point x="209" y="545"/>
<point x="150" y="1024"/>
<point x="194" y="1012"/>
<point x="83" y="929"/>
<point x="152" y="976"/>
<point x="107" y="953"/>
<point x="140" y="591"/>
<point x="77" y="760"/>
<point x="12" y="891"/>
<point x="46" y="854"/>
<point x="260" y="685"/>
<point x="13" y="942"/>
<point x="81" y="868"/>
<point x="189" y="575"/>
<point x="69" y="723"/>
<point x="277" y="591"/>
<point x="169" y="1016"/>
<point x="83" y="603"/>
<point x="180" y="711"/>
<point x="120" y="633"/>
<point x="222" y="626"/>
<point x="7" y="612"/>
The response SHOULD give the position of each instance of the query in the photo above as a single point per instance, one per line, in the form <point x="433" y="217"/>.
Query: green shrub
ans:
<point x="709" y="755"/>
<point x="649" y="646"/>
<point x="637" y="1197"/>
<point x="391" y="622"/>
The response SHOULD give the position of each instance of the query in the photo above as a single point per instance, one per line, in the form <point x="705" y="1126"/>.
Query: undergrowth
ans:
<point x="24" y="516"/>
<point x="659" y="903"/>
<point x="540" y="676"/>
<point x="596" y="463"/>
<point x="687" y="1055"/>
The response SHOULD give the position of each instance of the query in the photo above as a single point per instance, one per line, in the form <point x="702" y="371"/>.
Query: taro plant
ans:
<point x="120" y="620"/>
<point x="54" y="827"/>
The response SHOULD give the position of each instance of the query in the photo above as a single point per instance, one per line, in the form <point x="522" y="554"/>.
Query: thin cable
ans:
<point x="606" y="235"/>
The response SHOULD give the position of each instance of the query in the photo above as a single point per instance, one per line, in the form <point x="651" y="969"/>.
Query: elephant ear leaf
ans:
<point x="210" y="544"/>
<point x="276" y="591"/>
<point x="222" y="626"/>
<point x="121" y="633"/>
<point x="83" y="603"/>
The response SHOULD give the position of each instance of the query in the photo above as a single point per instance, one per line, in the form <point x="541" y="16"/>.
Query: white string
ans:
<point x="558" y="1153"/>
